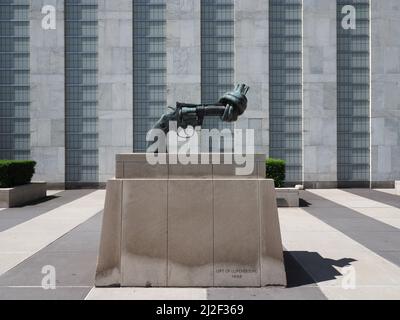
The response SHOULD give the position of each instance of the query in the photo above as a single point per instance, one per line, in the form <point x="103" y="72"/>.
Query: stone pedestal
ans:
<point x="189" y="226"/>
<point x="397" y="186"/>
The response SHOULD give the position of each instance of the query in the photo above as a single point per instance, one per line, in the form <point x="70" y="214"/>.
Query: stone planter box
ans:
<point x="288" y="197"/>
<point x="397" y="186"/>
<point x="22" y="195"/>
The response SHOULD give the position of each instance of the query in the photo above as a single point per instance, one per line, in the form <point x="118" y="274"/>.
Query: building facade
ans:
<point x="324" y="93"/>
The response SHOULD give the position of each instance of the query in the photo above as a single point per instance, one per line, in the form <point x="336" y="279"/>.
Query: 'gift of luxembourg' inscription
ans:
<point x="236" y="273"/>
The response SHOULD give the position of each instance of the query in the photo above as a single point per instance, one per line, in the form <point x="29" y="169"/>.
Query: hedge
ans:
<point x="276" y="170"/>
<point x="16" y="173"/>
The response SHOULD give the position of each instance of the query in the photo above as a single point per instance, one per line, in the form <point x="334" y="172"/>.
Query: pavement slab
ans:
<point x="10" y="218"/>
<point x="24" y="240"/>
<point x="74" y="258"/>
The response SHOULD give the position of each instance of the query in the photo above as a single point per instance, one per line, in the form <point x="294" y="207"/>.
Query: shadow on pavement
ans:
<point x="300" y="265"/>
<point x="381" y="238"/>
<point x="40" y="201"/>
<point x="378" y="196"/>
<point x="304" y="203"/>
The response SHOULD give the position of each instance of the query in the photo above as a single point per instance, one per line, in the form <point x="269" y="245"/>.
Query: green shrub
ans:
<point x="276" y="170"/>
<point x="16" y="173"/>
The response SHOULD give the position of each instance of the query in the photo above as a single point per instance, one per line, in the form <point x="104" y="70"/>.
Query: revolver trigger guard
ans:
<point x="186" y="135"/>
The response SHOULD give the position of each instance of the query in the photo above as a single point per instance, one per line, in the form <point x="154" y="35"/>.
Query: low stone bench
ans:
<point x="22" y="195"/>
<point x="288" y="197"/>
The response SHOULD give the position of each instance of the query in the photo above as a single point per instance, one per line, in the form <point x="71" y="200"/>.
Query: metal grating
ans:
<point x="217" y="53"/>
<point x="285" y="85"/>
<point x="14" y="80"/>
<point x="353" y="72"/>
<point x="81" y="88"/>
<point x="149" y="67"/>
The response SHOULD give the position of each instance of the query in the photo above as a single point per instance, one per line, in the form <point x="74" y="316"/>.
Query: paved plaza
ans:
<point x="341" y="244"/>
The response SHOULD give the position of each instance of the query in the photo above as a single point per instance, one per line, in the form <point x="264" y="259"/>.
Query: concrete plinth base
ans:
<point x="205" y="231"/>
<point x="22" y="195"/>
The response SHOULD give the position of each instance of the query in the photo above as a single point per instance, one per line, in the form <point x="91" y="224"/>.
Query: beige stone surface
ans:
<point x="22" y="195"/>
<point x="177" y="171"/>
<point x="136" y="166"/>
<point x="109" y="261"/>
<point x="221" y="171"/>
<point x="261" y="168"/>
<point x="236" y="233"/>
<point x="271" y="258"/>
<point x="139" y="170"/>
<point x="190" y="233"/>
<point x="144" y="233"/>
<point x="119" y="170"/>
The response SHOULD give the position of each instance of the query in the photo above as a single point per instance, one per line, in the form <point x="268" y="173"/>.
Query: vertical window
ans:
<point x="285" y="85"/>
<point x="81" y="27"/>
<point x="14" y="80"/>
<point x="217" y="52"/>
<point x="149" y="67"/>
<point x="353" y="72"/>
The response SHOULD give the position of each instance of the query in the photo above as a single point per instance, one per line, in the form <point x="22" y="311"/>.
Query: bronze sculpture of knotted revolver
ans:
<point x="229" y="107"/>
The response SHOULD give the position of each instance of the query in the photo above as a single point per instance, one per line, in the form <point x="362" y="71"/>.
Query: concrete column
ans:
<point x="385" y="103"/>
<point x="252" y="67"/>
<point x="115" y="83"/>
<point x="320" y="93"/>
<point x="183" y="51"/>
<point x="47" y="94"/>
